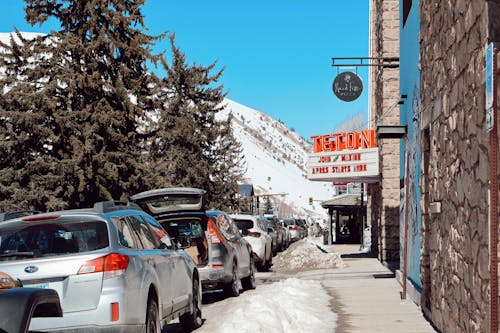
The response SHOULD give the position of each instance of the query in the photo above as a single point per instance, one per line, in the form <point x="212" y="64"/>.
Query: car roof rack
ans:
<point x="114" y="205"/>
<point x="17" y="213"/>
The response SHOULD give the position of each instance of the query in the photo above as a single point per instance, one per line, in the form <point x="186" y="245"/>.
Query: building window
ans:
<point x="406" y="10"/>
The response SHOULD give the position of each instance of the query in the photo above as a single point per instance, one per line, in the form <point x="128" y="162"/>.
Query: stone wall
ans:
<point x="455" y="256"/>
<point x="383" y="203"/>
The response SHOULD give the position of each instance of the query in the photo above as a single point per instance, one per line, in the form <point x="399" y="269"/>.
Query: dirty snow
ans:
<point x="287" y="306"/>
<point x="304" y="255"/>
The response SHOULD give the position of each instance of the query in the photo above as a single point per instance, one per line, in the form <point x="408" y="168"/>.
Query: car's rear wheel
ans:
<point x="193" y="320"/>
<point x="249" y="281"/>
<point x="266" y="264"/>
<point x="233" y="288"/>
<point x="269" y="263"/>
<point x="152" y="317"/>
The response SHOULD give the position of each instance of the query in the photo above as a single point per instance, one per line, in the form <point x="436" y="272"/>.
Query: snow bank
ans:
<point x="287" y="306"/>
<point x="305" y="255"/>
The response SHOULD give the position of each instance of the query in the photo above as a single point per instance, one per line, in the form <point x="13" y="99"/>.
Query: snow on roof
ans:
<point x="246" y="190"/>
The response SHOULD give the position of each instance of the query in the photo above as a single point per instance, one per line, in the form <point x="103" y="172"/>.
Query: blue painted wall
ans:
<point x="410" y="116"/>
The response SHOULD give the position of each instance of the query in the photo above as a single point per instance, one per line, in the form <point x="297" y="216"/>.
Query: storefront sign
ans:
<point x="346" y="140"/>
<point x="347" y="86"/>
<point x="351" y="156"/>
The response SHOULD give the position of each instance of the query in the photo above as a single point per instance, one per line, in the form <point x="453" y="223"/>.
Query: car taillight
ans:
<point x="112" y="263"/>
<point x="254" y="234"/>
<point x="213" y="235"/>
<point x="276" y="232"/>
<point x="293" y="228"/>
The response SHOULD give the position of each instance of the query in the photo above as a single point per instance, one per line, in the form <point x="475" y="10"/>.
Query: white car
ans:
<point x="255" y="233"/>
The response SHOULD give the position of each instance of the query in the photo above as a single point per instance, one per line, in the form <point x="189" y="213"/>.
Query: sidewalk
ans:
<point x="367" y="296"/>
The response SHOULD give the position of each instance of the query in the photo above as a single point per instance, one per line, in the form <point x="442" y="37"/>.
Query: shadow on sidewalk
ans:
<point x="356" y="255"/>
<point x="393" y="266"/>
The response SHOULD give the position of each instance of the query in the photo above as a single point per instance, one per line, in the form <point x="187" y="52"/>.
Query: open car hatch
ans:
<point x="167" y="200"/>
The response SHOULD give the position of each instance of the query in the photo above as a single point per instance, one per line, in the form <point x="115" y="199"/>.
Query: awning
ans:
<point x="344" y="200"/>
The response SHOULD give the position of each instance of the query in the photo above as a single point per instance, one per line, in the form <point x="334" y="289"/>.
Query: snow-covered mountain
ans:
<point x="275" y="158"/>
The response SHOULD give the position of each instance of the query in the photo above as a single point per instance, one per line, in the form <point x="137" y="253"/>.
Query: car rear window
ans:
<point x="289" y="222"/>
<point x="243" y="224"/>
<point x="51" y="238"/>
<point x="188" y="226"/>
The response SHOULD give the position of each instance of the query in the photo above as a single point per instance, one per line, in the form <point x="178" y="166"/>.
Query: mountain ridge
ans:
<point x="275" y="158"/>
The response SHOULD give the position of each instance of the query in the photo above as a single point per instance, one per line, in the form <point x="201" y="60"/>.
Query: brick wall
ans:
<point x="383" y="203"/>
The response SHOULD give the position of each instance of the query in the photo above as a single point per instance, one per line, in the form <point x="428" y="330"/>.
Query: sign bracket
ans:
<point x="384" y="62"/>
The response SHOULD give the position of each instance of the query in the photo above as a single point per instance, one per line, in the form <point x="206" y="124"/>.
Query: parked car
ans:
<point x="253" y="230"/>
<point x="295" y="227"/>
<point x="222" y="255"/>
<point x="272" y="222"/>
<point x="19" y="305"/>
<point x="302" y="224"/>
<point x="272" y="234"/>
<point x="113" y="266"/>
<point x="288" y="235"/>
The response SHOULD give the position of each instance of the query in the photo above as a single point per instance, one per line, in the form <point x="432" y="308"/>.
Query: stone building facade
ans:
<point x="454" y="170"/>
<point x="443" y="77"/>
<point x="384" y="197"/>
<point x="447" y="134"/>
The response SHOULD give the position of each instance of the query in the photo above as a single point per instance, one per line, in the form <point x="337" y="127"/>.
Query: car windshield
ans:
<point x="289" y="222"/>
<point x="51" y="238"/>
<point x="244" y="224"/>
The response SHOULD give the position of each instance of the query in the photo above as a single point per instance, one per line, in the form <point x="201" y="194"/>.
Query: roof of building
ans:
<point x="343" y="200"/>
<point x="246" y="190"/>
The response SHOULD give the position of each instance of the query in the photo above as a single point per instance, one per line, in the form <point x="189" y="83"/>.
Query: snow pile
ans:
<point x="305" y="255"/>
<point x="287" y="306"/>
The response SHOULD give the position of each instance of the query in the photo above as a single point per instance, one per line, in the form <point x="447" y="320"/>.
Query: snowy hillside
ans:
<point x="275" y="159"/>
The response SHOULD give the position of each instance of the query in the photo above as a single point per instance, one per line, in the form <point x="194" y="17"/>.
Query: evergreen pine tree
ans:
<point x="188" y="142"/>
<point x="228" y="167"/>
<point x="72" y="106"/>
<point x="268" y="209"/>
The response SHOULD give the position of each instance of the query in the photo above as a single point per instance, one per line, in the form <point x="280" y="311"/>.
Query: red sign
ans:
<point x="347" y="140"/>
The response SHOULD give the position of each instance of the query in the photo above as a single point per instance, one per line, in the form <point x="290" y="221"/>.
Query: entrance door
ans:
<point x="349" y="225"/>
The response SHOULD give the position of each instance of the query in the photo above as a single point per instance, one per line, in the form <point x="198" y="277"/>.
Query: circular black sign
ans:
<point x="347" y="86"/>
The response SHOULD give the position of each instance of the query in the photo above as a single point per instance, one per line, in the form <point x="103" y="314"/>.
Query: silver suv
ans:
<point x="113" y="266"/>
<point x="223" y="256"/>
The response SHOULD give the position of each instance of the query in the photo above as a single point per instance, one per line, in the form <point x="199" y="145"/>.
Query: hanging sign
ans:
<point x="347" y="86"/>
<point x="344" y="157"/>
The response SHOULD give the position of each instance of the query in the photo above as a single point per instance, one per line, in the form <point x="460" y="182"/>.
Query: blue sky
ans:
<point x="277" y="54"/>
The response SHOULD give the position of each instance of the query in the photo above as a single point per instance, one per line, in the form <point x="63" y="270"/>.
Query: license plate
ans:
<point x="44" y="285"/>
